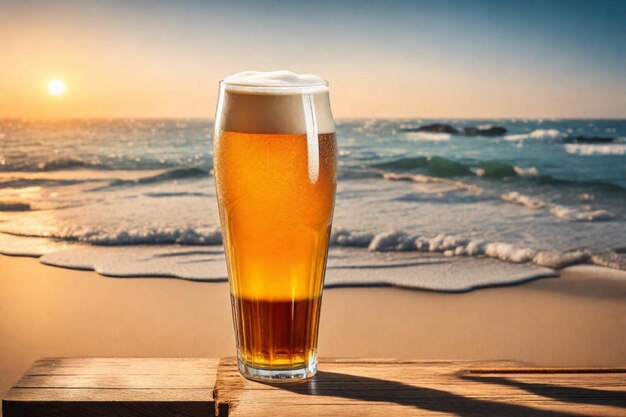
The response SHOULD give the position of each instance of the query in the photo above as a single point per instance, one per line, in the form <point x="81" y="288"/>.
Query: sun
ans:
<point x="56" y="87"/>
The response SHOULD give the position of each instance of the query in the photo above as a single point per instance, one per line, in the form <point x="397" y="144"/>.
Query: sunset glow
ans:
<point x="438" y="59"/>
<point x="56" y="87"/>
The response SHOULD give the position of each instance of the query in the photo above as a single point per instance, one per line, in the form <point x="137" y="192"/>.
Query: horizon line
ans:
<point x="63" y="118"/>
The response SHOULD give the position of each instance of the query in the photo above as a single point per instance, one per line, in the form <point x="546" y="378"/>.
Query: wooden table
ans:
<point x="352" y="387"/>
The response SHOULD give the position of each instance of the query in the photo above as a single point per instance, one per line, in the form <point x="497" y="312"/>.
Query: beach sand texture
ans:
<point x="577" y="319"/>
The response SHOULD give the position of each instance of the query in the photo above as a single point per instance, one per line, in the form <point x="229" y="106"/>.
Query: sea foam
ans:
<point x="562" y="212"/>
<point x="428" y="136"/>
<point x="347" y="267"/>
<point x="146" y="235"/>
<point x="570" y="213"/>
<point x="523" y="200"/>
<point x="591" y="149"/>
<point x="535" y="134"/>
<point x="448" y="185"/>
<point x="453" y="245"/>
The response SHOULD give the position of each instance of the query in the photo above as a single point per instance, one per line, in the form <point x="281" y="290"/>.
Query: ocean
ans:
<point x="442" y="209"/>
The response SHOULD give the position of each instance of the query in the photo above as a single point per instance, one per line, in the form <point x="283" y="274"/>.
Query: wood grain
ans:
<point x="418" y="388"/>
<point x="125" y="387"/>
<point x="131" y="387"/>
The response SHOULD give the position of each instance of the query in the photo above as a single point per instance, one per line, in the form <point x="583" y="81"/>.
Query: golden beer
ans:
<point x="276" y="191"/>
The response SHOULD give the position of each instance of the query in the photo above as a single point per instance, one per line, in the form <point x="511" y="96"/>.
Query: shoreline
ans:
<point x="350" y="264"/>
<point x="577" y="319"/>
<point x="396" y="247"/>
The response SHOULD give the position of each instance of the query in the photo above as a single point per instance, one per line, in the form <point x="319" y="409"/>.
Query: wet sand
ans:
<point x="578" y="319"/>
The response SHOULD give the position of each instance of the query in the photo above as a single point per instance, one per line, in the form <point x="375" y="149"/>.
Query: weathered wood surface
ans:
<point x="349" y="387"/>
<point x="419" y="388"/>
<point x="128" y="387"/>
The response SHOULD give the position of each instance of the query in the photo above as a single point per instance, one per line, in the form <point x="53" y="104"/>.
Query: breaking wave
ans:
<point x="443" y="167"/>
<point x="535" y="134"/>
<point x="34" y="182"/>
<point x="448" y="185"/>
<point x="591" y="149"/>
<point x="99" y="163"/>
<point x="389" y="241"/>
<point x="149" y="235"/>
<point x="428" y="136"/>
<point x="557" y="210"/>
<point x="61" y="164"/>
<point x="437" y="166"/>
<point x="452" y="245"/>
<point x="174" y="174"/>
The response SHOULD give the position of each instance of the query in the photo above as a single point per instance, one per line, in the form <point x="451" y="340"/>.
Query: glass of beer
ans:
<point x="275" y="164"/>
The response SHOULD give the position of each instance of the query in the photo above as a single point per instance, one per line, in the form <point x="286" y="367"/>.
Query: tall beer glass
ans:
<point x="275" y="160"/>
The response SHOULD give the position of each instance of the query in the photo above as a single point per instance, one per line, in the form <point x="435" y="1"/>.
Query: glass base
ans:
<point x="279" y="376"/>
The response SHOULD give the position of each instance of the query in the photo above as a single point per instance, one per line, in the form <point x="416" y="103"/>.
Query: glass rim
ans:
<point x="259" y="87"/>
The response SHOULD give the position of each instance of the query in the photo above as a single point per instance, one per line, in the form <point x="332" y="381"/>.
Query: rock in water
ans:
<point x="433" y="128"/>
<point x="590" y="139"/>
<point x="484" y="131"/>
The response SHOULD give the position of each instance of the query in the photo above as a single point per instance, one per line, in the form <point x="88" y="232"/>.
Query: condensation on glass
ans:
<point x="275" y="160"/>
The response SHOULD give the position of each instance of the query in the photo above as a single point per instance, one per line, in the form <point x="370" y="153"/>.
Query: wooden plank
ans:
<point x="125" y="387"/>
<point x="98" y="394"/>
<point x="134" y="366"/>
<point x="101" y="381"/>
<point x="538" y="370"/>
<point x="130" y="387"/>
<point x="108" y="409"/>
<point x="415" y="388"/>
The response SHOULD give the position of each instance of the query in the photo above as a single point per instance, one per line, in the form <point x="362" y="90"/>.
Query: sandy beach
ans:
<point x="577" y="319"/>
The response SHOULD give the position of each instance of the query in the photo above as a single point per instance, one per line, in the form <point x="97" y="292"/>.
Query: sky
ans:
<point x="429" y="59"/>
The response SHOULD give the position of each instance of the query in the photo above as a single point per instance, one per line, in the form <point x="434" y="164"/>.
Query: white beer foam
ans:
<point x="264" y="81"/>
<point x="276" y="102"/>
